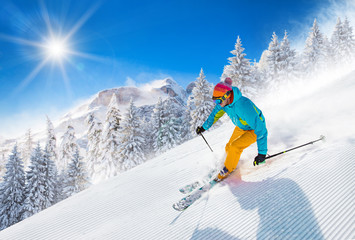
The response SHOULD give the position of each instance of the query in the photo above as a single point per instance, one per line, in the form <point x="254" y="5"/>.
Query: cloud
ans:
<point x="130" y="82"/>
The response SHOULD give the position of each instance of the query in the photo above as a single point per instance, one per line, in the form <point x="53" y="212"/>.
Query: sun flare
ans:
<point x="56" y="49"/>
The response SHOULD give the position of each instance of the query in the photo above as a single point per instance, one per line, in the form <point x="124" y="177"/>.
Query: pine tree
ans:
<point x="342" y="42"/>
<point x="41" y="183"/>
<point x="170" y="131"/>
<point x="147" y="126"/>
<point x="51" y="143"/>
<point x="329" y="54"/>
<point x="67" y="148"/>
<point x="50" y="179"/>
<point x="240" y="70"/>
<point x="61" y="178"/>
<point x="288" y="63"/>
<point x="27" y="149"/>
<point x="94" y="156"/>
<point x="110" y="157"/>
<point x="132" y="140"/>
<point x="227" y="69"/>
<point x="336" y="41"/>
<point x="314" y="52"/>
<point x="12" y="191"/>
<point x="157" y="122"/>
<point x="262" y="72"/>
<point x="51" y="159"/>
<point x="257" y="75"/>
<point x="184" y="122"/>
<point x="34" y="185"/>
<point x="77" y="177"/>
<point x="274" y="62"/>
<point x="202" y="103"/>
<point x="349" y="41"/>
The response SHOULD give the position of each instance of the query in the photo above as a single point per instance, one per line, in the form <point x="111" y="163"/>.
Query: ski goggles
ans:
<point x="219" y="100"/>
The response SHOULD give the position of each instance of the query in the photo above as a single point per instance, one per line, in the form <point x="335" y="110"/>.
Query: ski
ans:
<point x="197" y="184"/>
<point x="187" y="201"/>
<point x="190" y="187"/>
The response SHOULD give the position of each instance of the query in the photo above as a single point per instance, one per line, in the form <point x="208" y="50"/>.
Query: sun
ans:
<point x="53" y="47"/>
<point x="56" y="49"/>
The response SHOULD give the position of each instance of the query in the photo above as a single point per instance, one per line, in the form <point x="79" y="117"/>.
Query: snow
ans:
<point x="304" y="194"/>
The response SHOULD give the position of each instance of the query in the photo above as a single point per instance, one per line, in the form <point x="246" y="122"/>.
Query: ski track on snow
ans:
<point x="310" y="199"/>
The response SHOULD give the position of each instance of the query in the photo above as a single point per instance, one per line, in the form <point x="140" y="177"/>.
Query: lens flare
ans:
<point x="56" y="49"/>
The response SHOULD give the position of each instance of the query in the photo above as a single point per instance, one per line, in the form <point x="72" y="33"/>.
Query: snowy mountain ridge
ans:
<point x="145" y="96"/>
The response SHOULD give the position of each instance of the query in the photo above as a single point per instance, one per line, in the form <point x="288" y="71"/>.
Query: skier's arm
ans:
<point x="216" y="114"/>
<point x="256" y="121"/>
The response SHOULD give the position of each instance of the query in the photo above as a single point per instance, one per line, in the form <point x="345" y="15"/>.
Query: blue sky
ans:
<point x="111" y="41"/>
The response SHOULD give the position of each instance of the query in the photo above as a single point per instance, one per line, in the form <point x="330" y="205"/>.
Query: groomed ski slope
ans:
<point x="305" y="194"/>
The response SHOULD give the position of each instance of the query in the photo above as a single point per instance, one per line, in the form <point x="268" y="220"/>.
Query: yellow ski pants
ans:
<point x="240" y="140"/>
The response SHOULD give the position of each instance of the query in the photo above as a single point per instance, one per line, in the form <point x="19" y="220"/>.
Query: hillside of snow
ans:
<point x="304" y="194"/>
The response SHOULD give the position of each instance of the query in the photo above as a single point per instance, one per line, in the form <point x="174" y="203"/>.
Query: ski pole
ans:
<point x="206" y="142"/>
<point x="270" y="156"/>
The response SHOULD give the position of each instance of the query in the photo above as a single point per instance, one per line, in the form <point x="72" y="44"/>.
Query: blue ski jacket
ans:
<point x="244" y="114"/>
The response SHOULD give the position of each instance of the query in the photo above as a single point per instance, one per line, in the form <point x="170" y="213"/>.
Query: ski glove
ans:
<point x="200" y="130"/>
<point x="260" y="159"/>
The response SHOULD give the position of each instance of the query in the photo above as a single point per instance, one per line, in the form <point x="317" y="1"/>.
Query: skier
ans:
<point x="249" y="121"/>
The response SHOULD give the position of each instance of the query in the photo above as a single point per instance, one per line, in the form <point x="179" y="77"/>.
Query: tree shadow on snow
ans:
<point x="283" y="208"/>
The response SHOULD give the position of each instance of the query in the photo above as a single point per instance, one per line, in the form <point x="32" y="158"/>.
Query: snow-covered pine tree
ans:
<point x="185" y="120"/>
<point x="288" y="64"/>
<point x="50" y="179"/>
<point x="12" y="191"/>
<point x="349" y="41"/>
<point x="77" y="177"/>
<point x="34" y="185"/>
<point x="337" y="44"/>
<point x="314" y="52"/>
<point x="274" y="62"/>
<point x="226" y="72"/>
<point x="67" y="148"/>
<point x="110" y="154"/>
<point x="146" y="126"/>
<point x="263" y="70"/>
<point x="27" y="149"/>
<point x="61" y="178"/>
<point x="258" y="75"/>
<point x="51" y="159"/>
<point x="131" y="140"/>
<point x="41" y="183"/>
<point x="202" y="102"/>
<point x="329" y="54"/>
<point x="157" y="122"/>
<point x="170" y="132"/>
<point x="51" y="143"/>
<point x="93" y="156"/>
<point x="240" y="70"/>
<point x="342" y="42"/>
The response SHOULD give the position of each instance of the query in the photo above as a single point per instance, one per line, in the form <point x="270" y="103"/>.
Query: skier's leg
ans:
<point x="235" y="149"/>
<point x="236" y="134"/>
